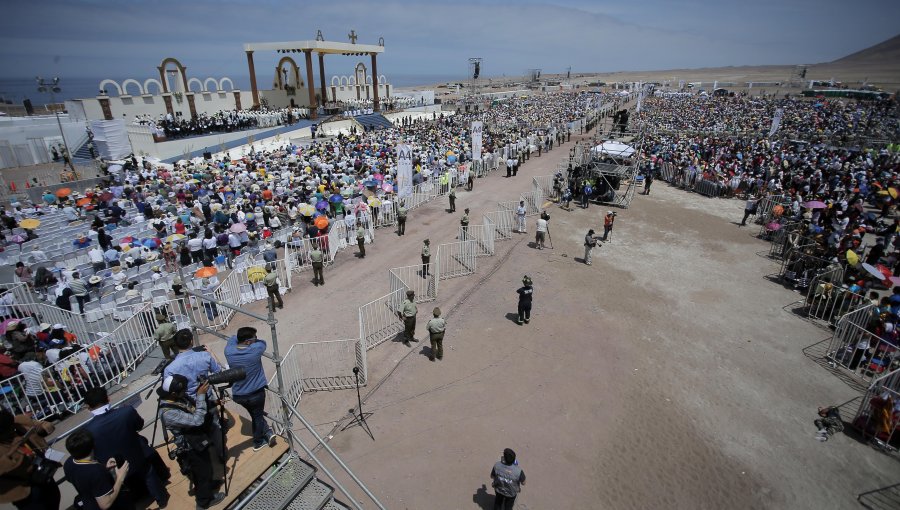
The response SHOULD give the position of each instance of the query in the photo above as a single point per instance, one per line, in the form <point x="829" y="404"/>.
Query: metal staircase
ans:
<point x="293" y="486"/>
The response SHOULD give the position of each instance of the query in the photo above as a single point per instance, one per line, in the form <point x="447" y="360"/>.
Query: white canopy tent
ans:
<point x="613" y="148"/>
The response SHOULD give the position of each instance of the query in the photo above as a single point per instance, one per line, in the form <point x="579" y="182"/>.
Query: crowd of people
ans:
<point x="170" y="126"/>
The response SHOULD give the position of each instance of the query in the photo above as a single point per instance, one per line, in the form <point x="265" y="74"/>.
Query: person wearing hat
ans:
<point x="170" y="258"/>
<point x="608" y="224"/>
<point x="361" y="241"/>
<point x="407" y="314"/>
<point x="185" y="419"/>
<point x="401" y="220"/>
<point x="272" y="287"/>
<point x="165" y="336"/>
<point x="508" y="479"/>
<point x="436" y="328"/>
<point x="426" y="257"/>
<point x="526" y="292"/>
<point x="317" y="258"/>
<point x="590" y="242"/>
<point x="464" y="223"/>
<point x="452" y="196"/>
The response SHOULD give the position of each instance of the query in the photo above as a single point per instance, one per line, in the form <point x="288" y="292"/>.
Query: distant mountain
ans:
<point x="887" y="52"/>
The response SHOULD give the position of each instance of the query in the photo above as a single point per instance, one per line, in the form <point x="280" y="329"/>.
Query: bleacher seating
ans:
<point x="374" y="121"/>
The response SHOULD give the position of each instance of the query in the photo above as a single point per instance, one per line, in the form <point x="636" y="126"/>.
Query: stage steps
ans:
<point x="295" y="487"/>
<point x="373" y="121"/>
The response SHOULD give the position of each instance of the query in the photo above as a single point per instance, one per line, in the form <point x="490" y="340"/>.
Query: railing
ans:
<point x="504" y="222"/>
<point x="827" y="299"/>
<point x="859" y="350"/>
<point x="877" y="418"/>
<point x="884" y="498"/>
<point x="418" y="278"/>
<point x="378" y="320"/>
<point x="455" y="259"/>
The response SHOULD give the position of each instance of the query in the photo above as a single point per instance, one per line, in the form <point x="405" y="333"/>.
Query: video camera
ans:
<point x="227" y="377"/>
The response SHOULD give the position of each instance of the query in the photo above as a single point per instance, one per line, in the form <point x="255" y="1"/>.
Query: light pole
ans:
<point x="52" y="87"/>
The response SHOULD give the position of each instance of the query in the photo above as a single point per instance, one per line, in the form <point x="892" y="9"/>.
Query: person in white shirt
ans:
<point x="97" y="260"/>
<point x="70" y="213"/>
<point x="541" y="232"/>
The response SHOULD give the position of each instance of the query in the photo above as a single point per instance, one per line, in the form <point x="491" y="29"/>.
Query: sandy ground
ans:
<point x="669" y="374"/>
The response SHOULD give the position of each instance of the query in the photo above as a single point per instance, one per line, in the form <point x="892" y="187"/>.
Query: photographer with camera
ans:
<point x="26" y="477"/>
<point x="590" y="242"/>
<point x="245" y="351"/>
<point x="608" y="224"/>
<point x="191" y="429"/>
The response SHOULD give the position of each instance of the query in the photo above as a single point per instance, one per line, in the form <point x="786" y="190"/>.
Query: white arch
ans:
<point x="150" y="81"/>
<point x="335" y="79"/>
<point x="351" y="80"/>
<point x="191" y="81"/>
<point x="129" y="80"/>
<point x="382" y="79"/>
<point x="368" y="79"/>
<point x="206" y="85"/>
<point x="113" y="83"/>
<point x="222" y="84"/>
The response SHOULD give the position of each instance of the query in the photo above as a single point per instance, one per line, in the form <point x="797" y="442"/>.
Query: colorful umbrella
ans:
<point x="814" y="204"/>
<point x="321" y="222"/>
<point x="18" y="239"/>
<point x="174" y="237"/>
<point x="81" y="202"/>
<point x="106" y="196"/>
<point x="374" y="202"/>
<point x="321" y="205"/>
<point x="306" y="209"/>
<point x="63" y="192"/>
<point x="126" y="240"/>
<point x="387" y="187"/>
<point x="773" y="226"/>
<point x="150" y="243"/>
<point x="892" y="192"/>
<point x="238" y="228"/>
<point x="778" y="210"/>
<point x="256" y="274"/>
<point x="250" y="216"/>
<point x="895" y="280"/>
<point x="206" y="272"/>
<point x="884" y="270"/>
<point x="336" y="199"/>
<point x="852" y="257"/>
<point x="30" y="223"/>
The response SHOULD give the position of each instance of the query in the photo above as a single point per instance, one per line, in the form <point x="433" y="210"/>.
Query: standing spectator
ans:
<point x="749" y="209"/>
<point x="426" y="257"/>
<point x="165" y="336"/>
<point x="19" y="451"/>
<point x="589" y="243"/>
<point x="540" y="232"/>
<point x="508" y="479"/>
<point x="245" y="350"/>
<point x="97" y="487"/>
<point x="521" y="211"/>
<point x="361" y="241"/>
<point x="407" y="314"/>
<point x="79" y="290"/>
<point x="608" y="222"/>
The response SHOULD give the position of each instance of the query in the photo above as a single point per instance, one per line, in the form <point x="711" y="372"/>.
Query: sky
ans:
<point x="129" y="38"/>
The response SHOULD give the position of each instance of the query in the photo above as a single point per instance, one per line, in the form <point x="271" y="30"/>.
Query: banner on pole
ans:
<point x="404" y="171"/>
<point x="776" y="120"/>
<point x="477" y="128"/>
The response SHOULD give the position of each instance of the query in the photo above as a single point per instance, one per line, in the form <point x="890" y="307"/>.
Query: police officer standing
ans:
<point x="407" y="313"/>
<point x="436" y="328"/>
<point x="452" y="196"/>
<point x="401" y="220"/>
<point x="318" y="261"/>
<point x="272" y="290"/>
<point x="361" y="241"/>
<point x="526" y="292"/>
<point x="464" y="222"/>
<point x="426" y="257"/>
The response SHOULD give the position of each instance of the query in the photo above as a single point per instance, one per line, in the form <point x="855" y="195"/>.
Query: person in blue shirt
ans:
<point x="245" y="351"/>
<point x="191" y="363"/>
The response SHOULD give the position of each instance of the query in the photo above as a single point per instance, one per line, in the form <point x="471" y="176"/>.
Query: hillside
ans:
<point x="884" y="53"/>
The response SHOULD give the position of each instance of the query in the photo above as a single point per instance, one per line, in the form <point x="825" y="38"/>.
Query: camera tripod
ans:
<point x="359" y="419"/>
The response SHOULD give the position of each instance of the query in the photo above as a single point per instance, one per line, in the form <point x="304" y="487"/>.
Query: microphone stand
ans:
<point x="361" y="418"/>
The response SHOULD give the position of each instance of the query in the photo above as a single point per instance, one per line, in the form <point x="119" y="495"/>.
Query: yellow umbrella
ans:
<point x="374" y="202"/>
<point x="306" y="209"/>
<point x="256" y="274"/>
<point x="30" y="223"/>
<point x="893" y="192"/>
<point x="174" y="237"/>
<point x="852" y="257"/>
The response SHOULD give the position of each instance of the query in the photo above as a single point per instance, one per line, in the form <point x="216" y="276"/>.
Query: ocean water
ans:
<point x="16" y="90"/>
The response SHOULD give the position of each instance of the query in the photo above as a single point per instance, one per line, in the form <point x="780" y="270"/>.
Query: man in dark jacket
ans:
<point x="119" y="433"/>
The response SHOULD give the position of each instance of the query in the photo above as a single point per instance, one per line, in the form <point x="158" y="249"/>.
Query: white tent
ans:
<point x="613" y="148"/>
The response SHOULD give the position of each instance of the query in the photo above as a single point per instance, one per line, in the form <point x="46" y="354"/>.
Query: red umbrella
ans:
<point x="126" y="240"/>
<point x="884" y="270"/>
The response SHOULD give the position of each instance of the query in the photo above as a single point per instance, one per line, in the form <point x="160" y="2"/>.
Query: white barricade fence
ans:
<point x="504" y="222"/>
<point x="482" y="236"/>
<point x="533" y="201"/>
<point x="419" y="279"/>
<point x="827" y="299"/>
<point x="765" y="206"/>
<point x="422" y="193"/>
<point x="861" y="351"/>
<point x="544" y="185"/>
<point x="378" y="320"/>
<point x="870" y="419"/>
<point x="455" y="259"/>
<point x="326" y="365"/>
<point x="298" y="252"/>
<point x="103" y="362"/>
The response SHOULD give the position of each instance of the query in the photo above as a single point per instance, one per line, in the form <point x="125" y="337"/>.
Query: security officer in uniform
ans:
<point x="361" y="241"/>
<point x="452" y="196"/>
<point x="426" y="257"/>
<point x="526" y="292"/>
<point x="436" y="328"/>
<point x="465" y="223"/>
<point x="407" y="313"/>
<point x="401" y="220"/>
<point x="318" y="261"/>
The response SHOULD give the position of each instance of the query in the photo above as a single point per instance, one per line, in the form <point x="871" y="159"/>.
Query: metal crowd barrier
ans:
<point x="504" y="222"/>
<point x="378" y="320"/>
<point x="859" y="350"/>
<point x="421" y="280"/>
<point x="708" y="188"/>
<point x="326" y="365"/>
<point x="455" y="259"/>
<point x="870" y="419"/>
<point x="482" y="236"/>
